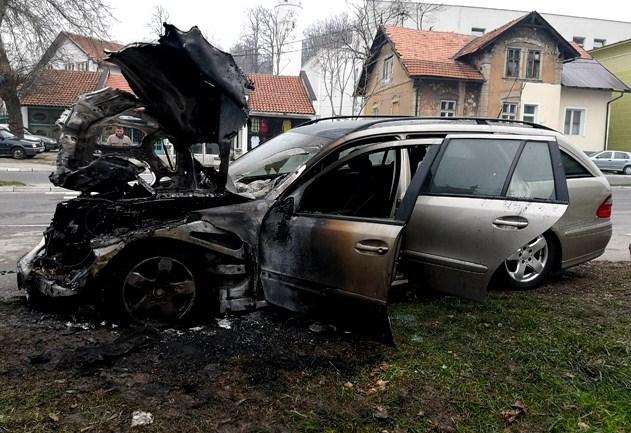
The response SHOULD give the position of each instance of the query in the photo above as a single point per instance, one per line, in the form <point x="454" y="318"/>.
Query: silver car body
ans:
<point x="613" y="160"/>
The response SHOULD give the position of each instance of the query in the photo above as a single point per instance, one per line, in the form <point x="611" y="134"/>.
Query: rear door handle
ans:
<point x="372" y="247"/>
<point x="511" y="221"/>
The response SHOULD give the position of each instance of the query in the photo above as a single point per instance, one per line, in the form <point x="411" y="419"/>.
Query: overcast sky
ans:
<point x="221" y="20"/>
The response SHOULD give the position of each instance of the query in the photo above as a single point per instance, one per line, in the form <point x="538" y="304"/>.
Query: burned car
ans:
<point x="325" y="218"/>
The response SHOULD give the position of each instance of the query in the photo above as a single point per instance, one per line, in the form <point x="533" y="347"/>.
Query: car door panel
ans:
<point x="455" y="240"/>
<point x="337" y="265"/>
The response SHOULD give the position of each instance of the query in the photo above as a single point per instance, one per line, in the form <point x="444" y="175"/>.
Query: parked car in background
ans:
<point x="19" y="148"/>
<point x="613" y="160"/>
<point x="49" y="143"/>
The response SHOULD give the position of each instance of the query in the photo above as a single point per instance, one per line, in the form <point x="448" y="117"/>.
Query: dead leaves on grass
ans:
<point x="516" y="410"/>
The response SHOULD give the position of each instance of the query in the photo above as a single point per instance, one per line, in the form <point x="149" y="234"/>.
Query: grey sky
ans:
<point x="221" y="21"/>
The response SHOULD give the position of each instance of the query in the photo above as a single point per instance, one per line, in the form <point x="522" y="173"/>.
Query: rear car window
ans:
<point x="572" y="167"/>
<point x="473" y="166"/>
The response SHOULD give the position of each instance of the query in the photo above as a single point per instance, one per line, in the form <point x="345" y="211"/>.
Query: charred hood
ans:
<point x="196" y="91"/>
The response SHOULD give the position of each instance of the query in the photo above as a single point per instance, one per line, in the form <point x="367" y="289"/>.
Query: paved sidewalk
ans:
<point x="26" y="166"/>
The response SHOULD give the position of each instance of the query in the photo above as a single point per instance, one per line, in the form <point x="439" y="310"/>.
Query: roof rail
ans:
<point x="478" y="120"/>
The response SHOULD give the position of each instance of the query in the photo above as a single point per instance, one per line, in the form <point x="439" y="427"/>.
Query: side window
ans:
<point x="364" y="187"/>
<point x="620" y="155"/>
<point x="604" y="155"/>
<point x="533" y="177"/>
<point x="473" y="166"/>
<point x="573" y="169"/>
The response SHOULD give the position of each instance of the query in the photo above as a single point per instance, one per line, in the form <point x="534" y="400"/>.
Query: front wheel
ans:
<point x="627" y="170"/>
<point x="157" y="289"/>
<point x="18" y="153"/>
<point x="529" y="266"/>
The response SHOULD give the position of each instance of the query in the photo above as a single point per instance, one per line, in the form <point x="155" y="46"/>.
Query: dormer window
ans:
<point x="386" y="73"/>
<point x="533" y="64"/>
<point x="512" y="62"/>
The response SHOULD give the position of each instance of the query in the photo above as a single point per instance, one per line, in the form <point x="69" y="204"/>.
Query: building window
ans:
<point x="533" y="64"/>
<point x="386" y="73"/>
<point x="255" y="125"/>
<point x="512" y="62"/>
<point x="69" y="66"/>
<point x="375" y="109"/>
<point x="82" y="66"/>
<point x="579" y="40"/>
<point x="574" y="121"/>
<point x="395" y="106"/>
<point x="509" y="111"/>
<point x="447" y="108"/>
<point x="599" y="43"/>
<point x="477" y="31"/>
<point x="530" y="113"/>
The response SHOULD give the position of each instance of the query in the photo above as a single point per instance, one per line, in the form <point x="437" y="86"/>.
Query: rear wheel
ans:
<point x="18" y="153"/>
<point x="529" y="266"/>
<point x="627" y="169"/>
<point x="161" y="289"/>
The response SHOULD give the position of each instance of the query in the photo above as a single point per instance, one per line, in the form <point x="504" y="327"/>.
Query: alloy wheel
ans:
<point x="528" y="262"/>
<point x="159" y="290"/>
<point x="18" y="153"/>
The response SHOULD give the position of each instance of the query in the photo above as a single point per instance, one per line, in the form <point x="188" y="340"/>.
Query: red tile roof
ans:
<point x="56" y="88"/>
<point x="479" y="42"/>
<point x="584" y="54"/>
<point x="279" y="94"/>
<point x="94" y="48"/>
<point x="431" y="54"/>
<point x="117" y="81"/>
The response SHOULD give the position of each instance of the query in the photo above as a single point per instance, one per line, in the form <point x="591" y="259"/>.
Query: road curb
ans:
<point x="27" y="189"/>
<point x="21" y="169"/>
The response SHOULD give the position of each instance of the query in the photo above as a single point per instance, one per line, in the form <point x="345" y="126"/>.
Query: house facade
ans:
<point x="515" y="72"/>
<point x="277" y="104"/>
<point x="617" y="59"/>
<point x="74" y="64"/>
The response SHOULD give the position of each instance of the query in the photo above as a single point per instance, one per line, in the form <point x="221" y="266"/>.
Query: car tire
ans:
<point x="529" y="266"/>
<point x="18" y="153"/>
<point x="158" y="288"/>
<point x="627" y="170"/>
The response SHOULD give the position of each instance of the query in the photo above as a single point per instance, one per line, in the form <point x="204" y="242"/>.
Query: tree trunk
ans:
<point x="9" y="94"/>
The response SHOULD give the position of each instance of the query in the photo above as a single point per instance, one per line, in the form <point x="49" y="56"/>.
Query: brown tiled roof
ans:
<point x="279" y="94"/>
<point x="431" y="54"/>
<point x="117" y="81"/>
<point x="584" y="54"/>
<point x="55" y="88"/>
<point x="479" y="42"/>
<point x="94" y="48"/>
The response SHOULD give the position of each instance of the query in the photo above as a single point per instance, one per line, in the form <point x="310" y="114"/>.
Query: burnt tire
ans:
<point x="18" y="153"/>
<point x="529" y="266"/>
<point x="156" y="288"/>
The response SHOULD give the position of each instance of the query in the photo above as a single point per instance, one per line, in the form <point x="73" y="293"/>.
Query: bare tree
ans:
<point x="421" y="14"/>
<point x="277" y="30"/>
<point x="27" y="29"/>
<point x="328" y="42"/>
<point x="159" y="16"/>
<point x="248" y="52"/>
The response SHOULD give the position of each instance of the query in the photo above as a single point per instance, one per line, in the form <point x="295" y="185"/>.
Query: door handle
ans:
<point x="514" y="222"/>
<point x="364" y="247"/>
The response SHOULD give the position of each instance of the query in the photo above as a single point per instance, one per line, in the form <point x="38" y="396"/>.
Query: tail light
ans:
<point x="604" y="210"/>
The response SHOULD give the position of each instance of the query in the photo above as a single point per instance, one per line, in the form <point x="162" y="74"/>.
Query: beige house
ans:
<point x="523" y="70"/>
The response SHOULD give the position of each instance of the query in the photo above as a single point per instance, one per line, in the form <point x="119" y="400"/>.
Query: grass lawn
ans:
<point x="557" y="359"/>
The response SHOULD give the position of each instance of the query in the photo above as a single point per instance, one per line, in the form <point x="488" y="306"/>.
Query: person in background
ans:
<point x="118" y="138"/>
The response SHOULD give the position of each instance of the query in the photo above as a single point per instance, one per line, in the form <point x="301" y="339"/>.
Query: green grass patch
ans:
<point x="11" y="183"/>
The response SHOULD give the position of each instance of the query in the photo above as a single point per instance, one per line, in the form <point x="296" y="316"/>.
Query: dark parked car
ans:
<point x="49" y="143"/>
<point x="324" y="218"/>
<point x="18" y="148"/>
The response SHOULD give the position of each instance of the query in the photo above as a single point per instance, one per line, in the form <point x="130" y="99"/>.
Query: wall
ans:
<point x="595" y="104"/>
<point x="461" y="19"/>
<point x="497" y="88"/>
<point x="618" y="60"/>
<point x="68" y="52"/>
<point x="383" y="95"/>
<point x="548" y="99"/>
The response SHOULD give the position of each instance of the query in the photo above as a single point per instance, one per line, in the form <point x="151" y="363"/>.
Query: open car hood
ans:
<point x="193" y="91"/>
